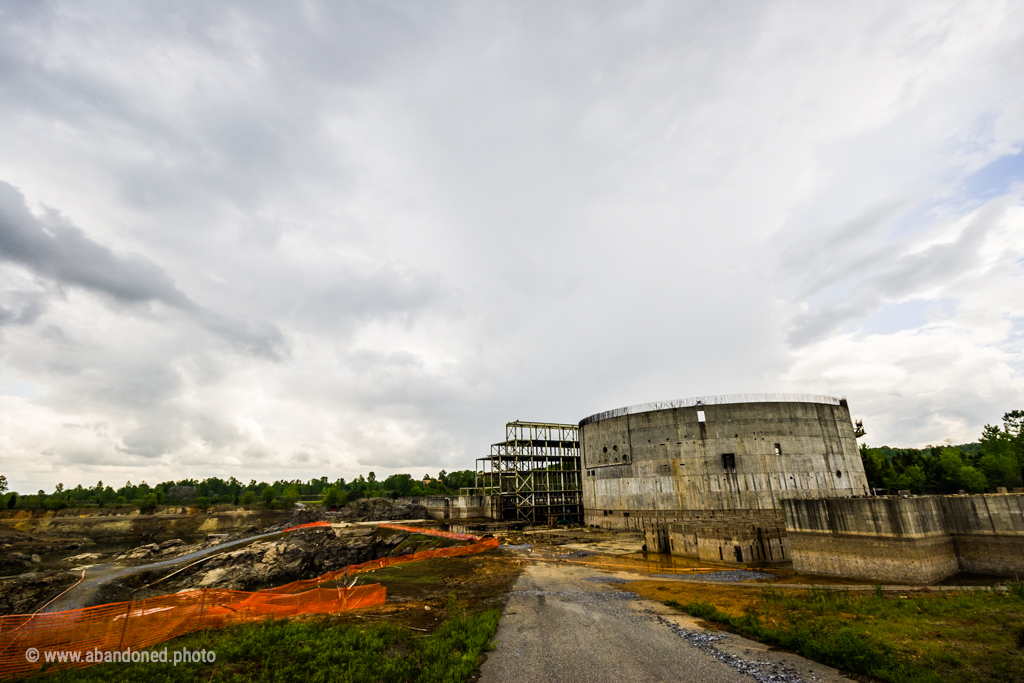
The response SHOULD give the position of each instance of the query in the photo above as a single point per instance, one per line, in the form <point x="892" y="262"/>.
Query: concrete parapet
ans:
<point x="918" y="540"/>
<point x="733" y="536"/>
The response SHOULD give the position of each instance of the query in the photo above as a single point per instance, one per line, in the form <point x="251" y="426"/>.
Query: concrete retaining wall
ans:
<point x="731" y="536"/>
<point x="907" y="540"/>
<point x="460" y="507"/>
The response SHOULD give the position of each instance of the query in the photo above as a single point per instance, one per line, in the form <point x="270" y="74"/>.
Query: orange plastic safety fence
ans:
<point x="431" y="532"/>
<point x="142" y="624"/>
<point x="310" y="525"/>
<point x="28" y="641"/>
<point x="382" y="562"/>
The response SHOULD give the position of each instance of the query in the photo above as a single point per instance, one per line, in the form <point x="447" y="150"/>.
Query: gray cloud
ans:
<point x="434" y="219"/>
<point x="871" y="269"/>
<point x="54" y="249"/>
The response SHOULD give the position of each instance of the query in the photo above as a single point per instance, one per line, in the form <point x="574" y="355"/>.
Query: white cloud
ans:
<point x="369" y="235"/>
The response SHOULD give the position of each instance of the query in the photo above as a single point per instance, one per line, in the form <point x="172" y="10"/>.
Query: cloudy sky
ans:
<point x="287" y="240"/>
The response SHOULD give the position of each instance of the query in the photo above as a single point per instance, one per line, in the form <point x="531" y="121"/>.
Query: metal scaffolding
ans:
<point x="536" y="472"/>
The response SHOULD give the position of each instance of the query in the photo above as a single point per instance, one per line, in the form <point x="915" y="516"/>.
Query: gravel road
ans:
<point x="563" y="624"/>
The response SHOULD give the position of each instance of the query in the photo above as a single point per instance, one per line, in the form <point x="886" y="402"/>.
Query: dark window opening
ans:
<point x="615" y="448"/>
<point x="778" y="449"/>
<point x="729" y="462"/>
<point x="839" y="474"/>
<point x="720" y="555"/>
<point x="625" y="514"/>
<point x="605" y="449"/>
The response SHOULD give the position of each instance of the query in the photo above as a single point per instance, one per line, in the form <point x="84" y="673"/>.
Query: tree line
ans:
<point x="214" y="491"/>
<point x="996" y="460"/>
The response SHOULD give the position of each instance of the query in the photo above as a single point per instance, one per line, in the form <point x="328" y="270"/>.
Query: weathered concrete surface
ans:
<point x="459" y="507"/>
<point x="733" y="536"/>
<point x="917" y="540"/>
<point x="563" y="623"/>
<point x="651" y="467"/>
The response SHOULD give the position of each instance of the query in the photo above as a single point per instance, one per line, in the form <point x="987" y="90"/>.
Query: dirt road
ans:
<point x="566" y="623"/>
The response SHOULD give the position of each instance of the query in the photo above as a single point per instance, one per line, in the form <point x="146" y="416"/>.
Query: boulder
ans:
<point x="142" y="551"/>
<point x="84" y="557"/>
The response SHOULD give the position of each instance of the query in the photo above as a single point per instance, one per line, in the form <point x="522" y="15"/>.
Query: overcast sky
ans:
<point x="288" y="240"/>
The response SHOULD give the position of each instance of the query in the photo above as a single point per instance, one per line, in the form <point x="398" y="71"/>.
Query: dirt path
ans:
<point x="568" y="623"/>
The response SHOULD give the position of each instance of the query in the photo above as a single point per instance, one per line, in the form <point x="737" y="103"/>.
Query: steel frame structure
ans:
<point x="536" y="472"/>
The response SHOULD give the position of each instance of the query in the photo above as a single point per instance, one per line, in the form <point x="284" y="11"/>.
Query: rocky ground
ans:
<point x="24" y="593"/>
<point x="302" y="554"/>
<point x="37" y="572"/>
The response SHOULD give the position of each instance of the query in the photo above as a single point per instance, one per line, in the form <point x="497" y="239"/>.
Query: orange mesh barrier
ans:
<point x="431" y="532"/>
<point x="310" y="525"/>
<point x="382" y="562"/>
<point x="137" y="625"/>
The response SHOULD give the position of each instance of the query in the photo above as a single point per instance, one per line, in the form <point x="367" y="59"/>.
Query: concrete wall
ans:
<point x="662" y="463"/>
<point x="732" y="537"/>
<point x="460" y="507"/>
<point x="907" y="540"/>
<point x="988" y="532"/>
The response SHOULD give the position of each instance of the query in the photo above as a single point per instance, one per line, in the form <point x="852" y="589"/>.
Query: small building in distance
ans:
<point x="705" y="477"/>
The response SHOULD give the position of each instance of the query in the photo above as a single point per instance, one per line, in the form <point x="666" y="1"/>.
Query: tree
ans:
<point x="249" y="497"/>
<point x="12" y="501"/>
<point x="149" y="504"/>
<point x="3" y="483"/>
<point x="268" y="496"/>
<point x="972" y="480"/>
<point x="1002" y="451"/>
<point x="401" y="484"/>
<point x="290" y="496"/>
<point x="333" y="497"/>
<point x="911" y="479"/>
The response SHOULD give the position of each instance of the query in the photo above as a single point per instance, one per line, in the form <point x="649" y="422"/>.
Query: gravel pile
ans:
<point x="730" y="575"/>
<point x="763" y="672"/>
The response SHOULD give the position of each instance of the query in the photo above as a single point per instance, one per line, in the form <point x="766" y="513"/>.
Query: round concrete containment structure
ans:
<point x="715" y="457"/>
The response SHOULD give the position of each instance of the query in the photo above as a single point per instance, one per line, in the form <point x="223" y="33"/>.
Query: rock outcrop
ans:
<point x="301" y="555"/>
<point x="25" y="593"/>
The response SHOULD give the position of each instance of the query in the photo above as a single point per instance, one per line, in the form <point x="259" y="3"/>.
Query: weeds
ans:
<point x="318" y="651"/>
<point x="974" y="635"/>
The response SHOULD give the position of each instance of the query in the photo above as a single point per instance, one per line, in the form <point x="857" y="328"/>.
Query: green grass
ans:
<point x="315" y="651"/>
<point x="972" y="636"/>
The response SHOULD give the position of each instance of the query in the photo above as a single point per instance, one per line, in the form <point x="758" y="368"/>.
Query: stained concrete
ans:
<point x="652" y="466"/>
<point x="459" y="507"/>
<point x="917" y="539"/>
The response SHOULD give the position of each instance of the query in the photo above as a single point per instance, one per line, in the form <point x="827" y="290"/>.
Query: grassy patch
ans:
<point x="318" y="650"/>
<point x="967" y="636"/>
